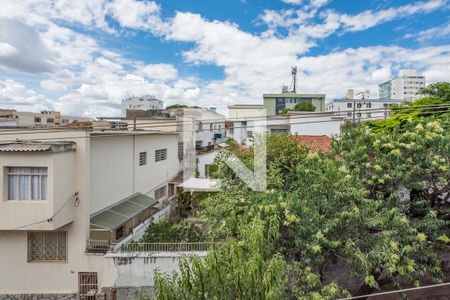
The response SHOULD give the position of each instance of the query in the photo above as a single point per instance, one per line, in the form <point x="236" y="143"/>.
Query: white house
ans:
<point x="62" y="189"/>
<point x="361" y="109"/>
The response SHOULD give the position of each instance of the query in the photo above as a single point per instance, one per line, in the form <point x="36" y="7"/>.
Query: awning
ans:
<point x="122" y="212"/>
<point x="200" y="185"/>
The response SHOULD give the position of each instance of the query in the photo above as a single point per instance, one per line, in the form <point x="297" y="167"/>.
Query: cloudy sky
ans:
<point x="82" y="57"/>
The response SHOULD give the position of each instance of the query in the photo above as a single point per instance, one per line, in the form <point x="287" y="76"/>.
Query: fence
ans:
<point x="164" y="247"/>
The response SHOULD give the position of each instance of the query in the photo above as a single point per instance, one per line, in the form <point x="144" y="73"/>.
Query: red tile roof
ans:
<point x="315" y="142"/>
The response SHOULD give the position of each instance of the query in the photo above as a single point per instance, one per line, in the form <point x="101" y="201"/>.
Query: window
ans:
<point x="142" y="158"/>
<point x="160" y="192"/>
<point x="249" y="134"/>
<point x="349" y="105"/>
<point x="369" y="115"/>
<point x="358" y="105"/>
<point x="37" y="120"/>
<point x="65" y="121"/>
<point x="200" y="126"/>
<point x="210" y="127"/>
<point x="244" y="123"/>
<point x="50" y="120"/>
<point x="47" y="246"/>
<point x="368" y="105"/>
<point x="180" y="151"/>
<point x="160" y="154"/>
<point x="27" y="183"/>
<point x="385" y="105"/>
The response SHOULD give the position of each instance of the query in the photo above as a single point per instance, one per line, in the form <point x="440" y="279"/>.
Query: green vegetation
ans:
<point x="372" y="213"/>
<point x="167" y="231"/>
<point x="434" y="105"/>
<point x="302" y="106"/>
<point x="173" y="106"/>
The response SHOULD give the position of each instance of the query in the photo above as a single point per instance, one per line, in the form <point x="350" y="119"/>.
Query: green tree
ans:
<point x="376" y="207"/>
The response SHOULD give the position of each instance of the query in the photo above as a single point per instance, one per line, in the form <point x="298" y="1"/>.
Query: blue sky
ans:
<point x="82" y="57"/>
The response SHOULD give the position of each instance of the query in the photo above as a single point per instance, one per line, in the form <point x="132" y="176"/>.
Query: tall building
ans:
<point x="146" y="102"/>
<point x="404" y="87"/>
<point x="276" y="103"/>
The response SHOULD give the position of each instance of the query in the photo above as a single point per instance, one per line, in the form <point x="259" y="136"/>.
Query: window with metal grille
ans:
<point x="160" y="192"/>
<point x="142" y="158"/>
<point x="47" y="246"/>
<point x="27" y="183"/>
<point x="180" y="151"/>
<point x="249" y="134"/>
<point x="160" y="154"/>
<point x="87" y="285"/>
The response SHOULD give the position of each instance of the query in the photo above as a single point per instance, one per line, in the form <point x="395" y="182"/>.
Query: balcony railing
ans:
<point x="98" y="246"/>
<point x="164" y="247"/>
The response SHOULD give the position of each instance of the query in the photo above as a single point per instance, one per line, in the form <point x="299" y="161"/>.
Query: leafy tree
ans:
<point x="433" y="106"/>
<point x="376" y="208"/>
<point x="167" y="231"/>
<point x="302" y="106"/>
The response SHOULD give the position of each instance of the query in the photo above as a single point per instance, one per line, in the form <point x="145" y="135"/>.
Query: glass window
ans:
<point x="349" y="105"/>
<point x="37" y="119"/>
<point x="47" y="246"/>
<point x="249" y="134"/>
<point x="27" y="183"/>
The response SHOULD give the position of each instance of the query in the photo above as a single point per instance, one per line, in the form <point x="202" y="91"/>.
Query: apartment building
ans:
<point x="404" y="87"/>
<point x="65" y="194"/>
<point x="276" y="103"/>
<point x="361" y="109"/>
<point x="13" y="118"/>
<point x="143" y="103"/>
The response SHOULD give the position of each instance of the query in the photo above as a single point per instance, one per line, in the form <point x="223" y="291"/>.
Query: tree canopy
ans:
<point x="373" y="213"/>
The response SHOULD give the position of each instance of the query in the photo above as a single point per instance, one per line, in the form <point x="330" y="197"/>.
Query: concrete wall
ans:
<point x="125" y="176"/>
<point x="203" y="160"/>
<point x="315" y="125"/>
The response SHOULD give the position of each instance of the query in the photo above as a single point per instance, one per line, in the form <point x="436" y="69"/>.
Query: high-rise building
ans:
<point x="405" y="87"/>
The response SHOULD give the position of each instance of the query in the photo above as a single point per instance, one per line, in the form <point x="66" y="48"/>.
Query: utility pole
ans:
<point x="354" y="112"/>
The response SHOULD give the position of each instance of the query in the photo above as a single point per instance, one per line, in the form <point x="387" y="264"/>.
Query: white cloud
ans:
<point x="7" y="49"/>
<point x="159" y="71"/>
<point x="431" y="33"/>
<point x="297" y="2"/>
<point x="92" y="79"/>
<point x="302" y="20"/>
<point x="15" y="95"/>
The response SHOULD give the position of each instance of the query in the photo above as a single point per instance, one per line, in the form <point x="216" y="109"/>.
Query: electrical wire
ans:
<point x="170" y="123"/>
<point x="76" y="203"/>
<point x="397" y="291"/>
<point x="133" y="132"/>
<point x="152" y="125"/>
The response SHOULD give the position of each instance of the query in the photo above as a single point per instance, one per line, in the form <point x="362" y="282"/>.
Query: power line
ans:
<point x="163" y="123"/>
<point x="133" y="132"/>
<point x="142" y="125"/>
<point x="397" y="291"/>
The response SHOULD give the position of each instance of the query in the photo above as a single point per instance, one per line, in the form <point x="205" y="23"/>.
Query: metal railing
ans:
<point x="98" y="246"/>
<point x="164" y="247"/>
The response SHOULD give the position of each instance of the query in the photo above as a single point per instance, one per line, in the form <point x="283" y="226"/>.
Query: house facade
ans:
<point x="65" y="194"/>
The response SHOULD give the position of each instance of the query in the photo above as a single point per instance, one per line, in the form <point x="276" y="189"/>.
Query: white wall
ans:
<point x="203" y="160"/>
<point x="315" y="125"/>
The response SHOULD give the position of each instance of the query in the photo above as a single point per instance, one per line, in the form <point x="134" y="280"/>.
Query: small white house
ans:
<point x="66" y="193"/>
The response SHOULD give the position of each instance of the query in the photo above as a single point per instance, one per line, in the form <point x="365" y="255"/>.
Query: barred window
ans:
<point x="142" y="158"/>
<point x="47" y="246"/>
<point x="160" y="192"/>
<point x="180" y="151"/>
<point x="249" y="134"/>
<point x="160" y="154"/>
